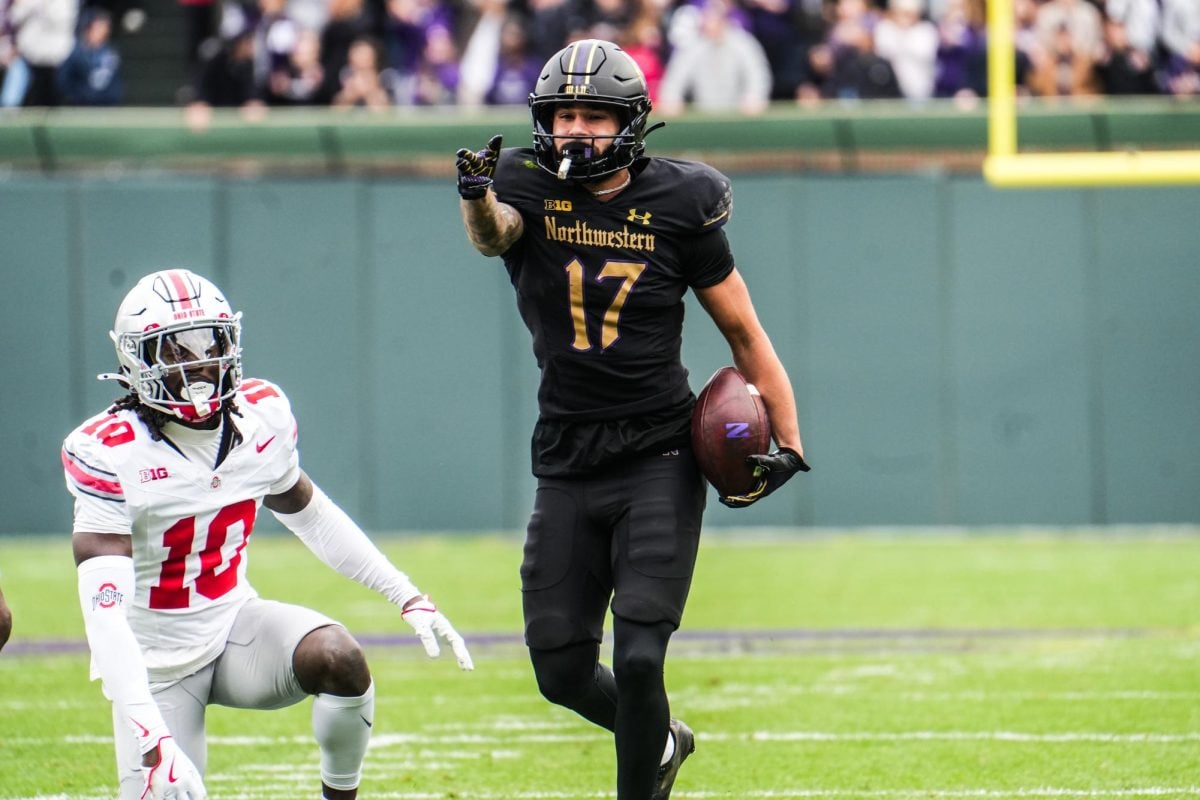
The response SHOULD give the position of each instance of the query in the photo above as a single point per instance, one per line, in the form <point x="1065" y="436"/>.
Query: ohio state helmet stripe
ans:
<point x="183" y="293"/>
<point x="87" y="478"/>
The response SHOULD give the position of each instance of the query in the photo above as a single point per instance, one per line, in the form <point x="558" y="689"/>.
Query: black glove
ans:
<point x="475" y="170"/>
<point x="772" y="470"/>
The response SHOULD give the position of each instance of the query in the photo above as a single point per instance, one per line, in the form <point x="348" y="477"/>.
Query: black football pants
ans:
<point x="631" y="535"/>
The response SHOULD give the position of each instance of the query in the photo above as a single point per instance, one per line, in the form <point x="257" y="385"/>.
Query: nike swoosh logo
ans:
<point x="364" y="719"/>
<point x="260" y="447"/>
<point x="171" y="772"/>
<point x="145" y="730"/>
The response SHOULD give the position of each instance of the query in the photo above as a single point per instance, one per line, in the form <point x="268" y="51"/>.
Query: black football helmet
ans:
<point x="590" y="71"/>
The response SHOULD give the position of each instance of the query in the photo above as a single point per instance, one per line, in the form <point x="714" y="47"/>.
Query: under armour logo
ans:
<point x="634" y="216"/>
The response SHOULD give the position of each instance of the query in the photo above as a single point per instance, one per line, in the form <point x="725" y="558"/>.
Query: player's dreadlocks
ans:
<point x="155" y="419"/>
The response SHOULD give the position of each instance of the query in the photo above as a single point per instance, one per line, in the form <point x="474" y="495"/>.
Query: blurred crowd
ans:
<point x="718" y="55"/>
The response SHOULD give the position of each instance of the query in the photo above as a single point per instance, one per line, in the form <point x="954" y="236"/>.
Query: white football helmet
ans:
<point x="176" y="323"/>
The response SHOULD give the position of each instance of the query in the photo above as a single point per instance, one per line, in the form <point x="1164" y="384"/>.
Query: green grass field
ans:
<point x="872" y="664"/>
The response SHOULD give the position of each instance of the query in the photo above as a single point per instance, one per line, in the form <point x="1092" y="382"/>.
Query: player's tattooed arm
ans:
<point x="491" y="226"/>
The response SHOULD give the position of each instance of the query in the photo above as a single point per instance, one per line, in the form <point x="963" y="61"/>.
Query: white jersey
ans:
<point x="190" y="520"/>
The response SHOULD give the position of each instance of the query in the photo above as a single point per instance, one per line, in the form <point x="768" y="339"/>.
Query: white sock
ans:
<point x="342" y="728"/>
<point x="669" y="750"/>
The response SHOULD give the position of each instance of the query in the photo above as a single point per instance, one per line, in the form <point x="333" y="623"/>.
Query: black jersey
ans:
<point x="600" y="287"/>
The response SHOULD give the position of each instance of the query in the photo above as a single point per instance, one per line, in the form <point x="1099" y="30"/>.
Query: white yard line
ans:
<point x="426" y="740"/>
<point x="953" y="736"/>
<point x="400" y="751"/>
<point x="732" y="692"/>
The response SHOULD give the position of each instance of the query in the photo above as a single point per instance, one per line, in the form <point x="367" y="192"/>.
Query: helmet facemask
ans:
<point x="183" y="356"/>
<point x="581" y="159"/>
<point x="590" y="72"/>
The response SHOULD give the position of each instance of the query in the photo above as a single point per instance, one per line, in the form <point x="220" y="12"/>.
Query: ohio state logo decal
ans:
<point x="107" y="597"/>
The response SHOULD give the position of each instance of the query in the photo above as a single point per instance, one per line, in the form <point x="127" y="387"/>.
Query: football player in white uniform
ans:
<point x="5" y="621"/>
<point x="167" y="485"/>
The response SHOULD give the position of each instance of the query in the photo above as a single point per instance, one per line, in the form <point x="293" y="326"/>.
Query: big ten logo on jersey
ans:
<point x="152" y="474"/>
<point x="558" y="205"/>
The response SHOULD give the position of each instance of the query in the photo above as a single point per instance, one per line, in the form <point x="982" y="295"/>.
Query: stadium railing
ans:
<point x="842" y="137"/>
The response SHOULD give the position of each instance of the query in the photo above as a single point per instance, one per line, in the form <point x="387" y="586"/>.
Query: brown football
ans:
<point x="729" y="423"/>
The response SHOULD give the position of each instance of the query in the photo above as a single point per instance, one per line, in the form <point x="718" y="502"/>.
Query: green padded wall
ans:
<point x="42" y="356"/>
<point x="961" y="355"/>
<point x="873" y="336"/>
<point x="1145" y="351"/>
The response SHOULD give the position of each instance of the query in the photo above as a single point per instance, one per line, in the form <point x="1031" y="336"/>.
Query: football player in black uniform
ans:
<point x="601" y="244"/>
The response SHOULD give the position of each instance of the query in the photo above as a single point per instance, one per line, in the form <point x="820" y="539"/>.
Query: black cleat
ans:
<point x="685" y="745"/>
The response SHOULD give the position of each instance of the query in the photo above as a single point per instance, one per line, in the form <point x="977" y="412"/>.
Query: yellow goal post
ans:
<point x="1005" y="166"/>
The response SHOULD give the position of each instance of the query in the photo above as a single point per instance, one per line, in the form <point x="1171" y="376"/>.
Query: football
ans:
<point x="729" y="423"/>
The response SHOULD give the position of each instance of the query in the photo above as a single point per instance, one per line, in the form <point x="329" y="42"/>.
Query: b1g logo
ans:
<point x="558" y="205"/>
<point x="737" y="430"/>
<point x="152" y="474"/>
<point x="107" y="597"/>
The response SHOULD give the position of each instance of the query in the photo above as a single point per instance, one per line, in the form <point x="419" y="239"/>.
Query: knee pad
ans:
<point x="565" y="674"/>
<point x="640" y="651"/>
<point x="550" y="632"/>
<point x="647" y="609"/>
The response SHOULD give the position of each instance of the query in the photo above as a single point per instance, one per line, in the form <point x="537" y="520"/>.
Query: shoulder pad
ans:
<point x="516" y="159"/>
<point x="92" y="453"/>
<point x="256" y="391"/>
<point x="706" y="203"/>
<point x="106" y="431"/>
<point x="712" y="193"/>
<point x="514" y="171"/>
<point x="720" y="208"/>
<point x="267" y="402"/>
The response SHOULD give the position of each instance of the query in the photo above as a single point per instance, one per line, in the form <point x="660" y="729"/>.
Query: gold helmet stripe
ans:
<point x="591" y="57"/>
<point x="570" y="60"/>
<point x="581" y="74"/>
